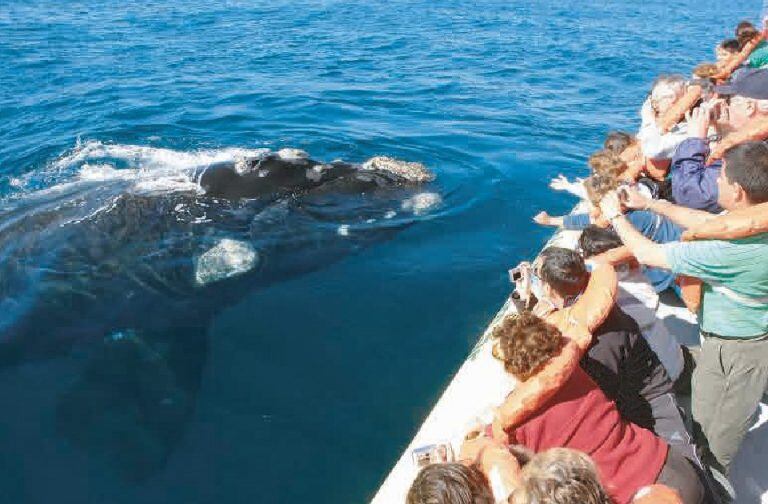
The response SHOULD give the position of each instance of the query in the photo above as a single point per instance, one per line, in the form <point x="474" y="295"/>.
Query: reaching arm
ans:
<point x="682" y="216"/>
<point x="646" y="251"/>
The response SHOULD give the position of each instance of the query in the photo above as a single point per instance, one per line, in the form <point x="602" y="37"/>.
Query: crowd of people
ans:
<point x="594" y="417"/>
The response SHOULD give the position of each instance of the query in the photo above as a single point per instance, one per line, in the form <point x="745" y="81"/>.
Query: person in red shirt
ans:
<point x="581" y="417"/>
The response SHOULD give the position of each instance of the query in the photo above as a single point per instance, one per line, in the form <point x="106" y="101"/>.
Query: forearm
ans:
<point x="501" y="469"/>
<point x="555" y="221"/>
<point x="682" y="216"/>
<point x="646" y="251"/>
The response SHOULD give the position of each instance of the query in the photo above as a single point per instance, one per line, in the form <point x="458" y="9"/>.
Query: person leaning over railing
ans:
<point x="731" y="374"/>
<point x="656" y="143"/>
<point x="581" y="417"/>
<point x="694" y="181"/>
<point x="619" y="360"/>
<point x="637" y="296"/>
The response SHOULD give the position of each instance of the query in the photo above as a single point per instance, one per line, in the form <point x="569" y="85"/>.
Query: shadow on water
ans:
<point x="134" y="397"/>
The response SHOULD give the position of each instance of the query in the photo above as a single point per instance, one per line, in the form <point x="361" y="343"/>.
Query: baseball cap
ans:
<point x="749" y="84"/>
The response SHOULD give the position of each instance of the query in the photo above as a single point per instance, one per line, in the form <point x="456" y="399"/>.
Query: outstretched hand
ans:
<point x="560" y="183"/>
<point x="542" y="218"/>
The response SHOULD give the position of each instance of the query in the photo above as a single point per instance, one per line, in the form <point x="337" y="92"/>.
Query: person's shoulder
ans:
<point x="618" y="325"/>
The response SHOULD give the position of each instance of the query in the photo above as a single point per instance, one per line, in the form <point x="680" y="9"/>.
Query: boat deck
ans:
<point x="481" y="383"/>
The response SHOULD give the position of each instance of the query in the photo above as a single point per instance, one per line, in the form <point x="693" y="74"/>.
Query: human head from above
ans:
<point x="618" y="141"/>
<point x="705" y="71"/>
<point x="597" y="186"/>
<point x="451" y="483"/>
<point x="560" y="476"/>
<point x="743" y="179"/>
<point x="595" y="240"/>
<point x="525" y="343"/>
<point x="666" y="90"/>
<point x="606" y="162"/>
<point x="747" y="98"/>
<point x="745" y="31"/>
<point x="563" y="275"/>
<point x="726" y="49"/>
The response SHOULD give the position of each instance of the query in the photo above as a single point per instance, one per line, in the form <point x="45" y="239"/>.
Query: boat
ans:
<point x="481" y="384"/>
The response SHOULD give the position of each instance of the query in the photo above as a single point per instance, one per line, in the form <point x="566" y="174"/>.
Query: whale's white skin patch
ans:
<point x="245" y="164"/>
<point x="422" y="203"/>
<point x="227" y="259"/>
<point x="413" y="172"/>
<point x="292" y="154"/>
<point x="343" y="230"/>
<point x="315" y="174"/>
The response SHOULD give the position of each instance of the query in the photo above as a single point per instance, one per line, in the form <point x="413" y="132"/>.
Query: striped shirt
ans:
<point x="735" y="276"/>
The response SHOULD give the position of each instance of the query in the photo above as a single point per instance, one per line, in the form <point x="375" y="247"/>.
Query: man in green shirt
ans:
<point x="731" y="373"/>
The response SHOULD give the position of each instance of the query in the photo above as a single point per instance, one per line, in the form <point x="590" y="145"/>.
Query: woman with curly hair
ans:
<point x="581" y="417"/>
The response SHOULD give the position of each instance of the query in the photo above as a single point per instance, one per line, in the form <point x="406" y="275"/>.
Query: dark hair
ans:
<point x="563" y="270"/>
<point x="745" y="31"/>
<point x="731" y="45"/>
<point x="617" y="141"/>
<point x="747" y="165"/>
<point x="526" y="343"/>
<point x="595" y="240"/>
<point x="451" y="483"/>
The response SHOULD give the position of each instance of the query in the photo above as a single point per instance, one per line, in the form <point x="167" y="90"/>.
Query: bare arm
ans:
<point x="544" y="219"/>
<point x="682" y="216"/>
<point x="646" y="251"/>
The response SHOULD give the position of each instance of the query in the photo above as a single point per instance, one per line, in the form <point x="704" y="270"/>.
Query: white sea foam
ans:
<point x="343" y="230"/>
<point x="152" y="158"/>
<point x="152" y="169"/>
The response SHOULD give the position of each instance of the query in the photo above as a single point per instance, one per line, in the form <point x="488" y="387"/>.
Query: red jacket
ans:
<point x="581" y="417"/>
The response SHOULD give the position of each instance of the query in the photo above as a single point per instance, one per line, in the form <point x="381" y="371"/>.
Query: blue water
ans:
<point x="309" y="387"/>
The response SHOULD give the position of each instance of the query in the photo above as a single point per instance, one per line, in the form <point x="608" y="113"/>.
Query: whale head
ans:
<point x="412" y="172"/>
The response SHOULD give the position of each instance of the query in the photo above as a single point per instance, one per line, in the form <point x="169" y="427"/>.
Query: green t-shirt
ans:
<point x="759" y="57"/>
<point x="735" y="276"/>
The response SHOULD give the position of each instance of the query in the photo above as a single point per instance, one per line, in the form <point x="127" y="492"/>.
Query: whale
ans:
<point x="130" y="280"/>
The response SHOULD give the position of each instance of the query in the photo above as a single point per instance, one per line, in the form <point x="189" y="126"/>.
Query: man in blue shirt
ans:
<point x="694" y="182"/>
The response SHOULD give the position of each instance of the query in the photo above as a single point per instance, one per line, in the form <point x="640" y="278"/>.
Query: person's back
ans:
<point x="626" y="368"/>
<point x="581" y="417"/>
<point x="637" y="296"/>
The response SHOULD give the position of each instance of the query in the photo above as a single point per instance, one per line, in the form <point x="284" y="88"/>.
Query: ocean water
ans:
<point x="308" y="386"/>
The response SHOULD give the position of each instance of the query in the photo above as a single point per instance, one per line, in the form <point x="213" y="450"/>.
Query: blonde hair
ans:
<point x="606" y="162"/>
<point x="560" y="476"/>
<point x="598" y="185"/>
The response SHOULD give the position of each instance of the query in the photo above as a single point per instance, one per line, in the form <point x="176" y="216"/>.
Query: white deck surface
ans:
<point x="481" y="384"/>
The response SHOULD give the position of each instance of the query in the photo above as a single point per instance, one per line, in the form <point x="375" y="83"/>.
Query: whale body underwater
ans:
<point x="132" y="278"/>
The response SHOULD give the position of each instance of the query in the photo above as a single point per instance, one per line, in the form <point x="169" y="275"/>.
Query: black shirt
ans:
<point x="626" y="368"/>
